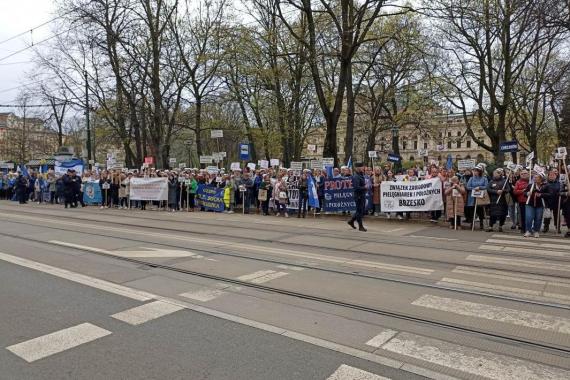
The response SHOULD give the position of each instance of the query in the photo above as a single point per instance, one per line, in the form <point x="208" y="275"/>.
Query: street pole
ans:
<point x="87" y="124"/>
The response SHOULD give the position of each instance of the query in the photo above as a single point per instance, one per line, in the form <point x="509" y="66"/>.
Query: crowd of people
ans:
<point x="532" y="201"/>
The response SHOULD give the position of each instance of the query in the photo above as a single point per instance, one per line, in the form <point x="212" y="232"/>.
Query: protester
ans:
<point x="535" y="205"/>
<point x="455" y="194"/>
<point x="280" y="194"/>
<point x="521" y="197"/>
<point x="498" y="189"/>
<point x="477" y="182"/>
<point x="551" y="201"/>
<point x="359" y="186"/>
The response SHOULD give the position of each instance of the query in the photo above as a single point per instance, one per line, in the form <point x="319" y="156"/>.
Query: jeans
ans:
<point x="533" y="217"/>
<point x="513" y="213"/>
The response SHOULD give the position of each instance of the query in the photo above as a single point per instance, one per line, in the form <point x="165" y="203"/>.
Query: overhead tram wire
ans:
<point x="35" y="27"/>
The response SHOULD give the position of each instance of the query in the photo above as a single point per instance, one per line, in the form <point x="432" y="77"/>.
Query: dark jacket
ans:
<point x="498" y="209"/>
<point x="359" y="185"/>
<point x="536" y="196"/>
<point x="551" y="194"/>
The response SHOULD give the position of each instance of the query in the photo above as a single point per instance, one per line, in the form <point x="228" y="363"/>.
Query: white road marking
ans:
<point x="249" y="247"/>
<point x="529" y="244"/>
<point x="532" y="251"/>
<point x="345" y="372"/>
<point x="501" y="276"/>
<point x="203" y="295"/>
<point x="146" y="253"/>
<point x="495" y="313"/>
<point x="290" y="267"/>
<point x="470" y="360"/>
<point x="56" y="342"/>
<point x="509" y="275"/>
<point x="382" y="338"/>
<point x="147" y="312"/>
<point x="432" y="237"/>
<point x="520" y="237"/>
<point x="447" y="280"/>
<point x="262" y="276"/>
<point x="79" y="278"/>
<point x="251" y="276"/>
<point x="520" y="263"/>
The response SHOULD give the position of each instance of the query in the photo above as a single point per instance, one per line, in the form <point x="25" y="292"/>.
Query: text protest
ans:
<point x="149" y="189"/>
<point x="210" y="197"/>
<point x="412" y="196"/>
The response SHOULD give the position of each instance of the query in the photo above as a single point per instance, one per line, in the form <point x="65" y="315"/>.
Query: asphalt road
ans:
<point x="204" y="295"/>
<point x="182" y="345"/>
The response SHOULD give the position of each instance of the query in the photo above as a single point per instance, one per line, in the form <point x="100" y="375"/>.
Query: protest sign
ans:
<point x="172" y="160"/>
<point x="182" y="165"/>
<point x="206" y="159"/>
<point x="251" y="165"/>
<point x="92" y="193"/>
<point x="212" y="169"/>
<point x="149" y="160"/>
<point x="316" y="164"/>
<point x="529" y="158"/>
<point x="149" y="189"/>
<point x="466" y="164"/>
<point x="210" y="197"/>
<point x="274" y="162"/>
<point x="311" y="148"/>
<point x="412" y="196"/>
<point x="61" y="167"/>
<point x="339" y="195"/>
<point x="264" y="164"/>
<point x="328" y="162"/>
<point x="293" y="193"/>
<point x="423" y="152"/>
<point x="235" y="166"/>
<point x="372" y="154"/>
<point x="561" y="150"/>
<point x="296" y="166"/>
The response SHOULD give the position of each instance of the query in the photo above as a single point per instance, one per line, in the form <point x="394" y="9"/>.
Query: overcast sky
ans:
<point x="18" y="16"/>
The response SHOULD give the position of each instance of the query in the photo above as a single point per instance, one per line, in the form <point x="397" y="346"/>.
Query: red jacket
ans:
<point x="520" y="189"/>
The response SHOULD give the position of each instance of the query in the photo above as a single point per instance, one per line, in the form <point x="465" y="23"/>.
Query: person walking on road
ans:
<point x="360" y="189"/>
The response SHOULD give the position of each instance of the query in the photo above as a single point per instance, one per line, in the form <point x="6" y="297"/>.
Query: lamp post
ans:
<point x="396" y="144"/>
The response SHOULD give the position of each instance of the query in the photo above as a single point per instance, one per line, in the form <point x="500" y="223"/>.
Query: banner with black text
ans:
<point x="411" y="196"/>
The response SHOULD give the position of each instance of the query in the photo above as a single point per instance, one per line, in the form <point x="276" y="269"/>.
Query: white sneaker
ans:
<point x="286" y="215"/>
<point x="536" y="235"/>
<point x="376" y="214"/>
<point x="400" y="217"/>
<point x="230" y="212"/>
<point x="527" y="234"/>
<point x="388" y="216"/>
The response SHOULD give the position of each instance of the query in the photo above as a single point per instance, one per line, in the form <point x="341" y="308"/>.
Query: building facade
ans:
<point x="23" y="139"/>
<point x="440" y="135"/>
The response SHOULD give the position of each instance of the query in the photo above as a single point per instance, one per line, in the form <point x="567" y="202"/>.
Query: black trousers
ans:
<point x="360" y="209"/>
<point x="522" y="213"/>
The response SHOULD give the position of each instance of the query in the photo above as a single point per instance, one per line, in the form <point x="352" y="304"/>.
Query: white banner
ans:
<point x="149" y="189"/>
<point x="412" y="196"/>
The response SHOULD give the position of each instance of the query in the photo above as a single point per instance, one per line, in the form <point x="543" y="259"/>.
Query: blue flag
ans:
<point x="313" y="195"/>
<point x="330" y="172"/>
<point x="449" y="164"/>
<point x="24" y="171"/>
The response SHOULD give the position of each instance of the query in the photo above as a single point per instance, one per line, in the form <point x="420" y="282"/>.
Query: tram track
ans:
<point x="553" y="349"/>
<point x="420" y="259"/>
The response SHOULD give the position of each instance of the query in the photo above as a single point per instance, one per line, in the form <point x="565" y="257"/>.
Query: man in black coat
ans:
<point x="22" y="189"/>
<point x="69" y="183"/>
<point x="552" y="199"/>
<point x="360" y="189"/>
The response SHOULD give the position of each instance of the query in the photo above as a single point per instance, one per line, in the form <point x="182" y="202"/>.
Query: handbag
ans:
<point x="547" y="214"/>
<point x="262" y="196"/>
<point x="484" y="200"/>
<point x="282" y="195"/>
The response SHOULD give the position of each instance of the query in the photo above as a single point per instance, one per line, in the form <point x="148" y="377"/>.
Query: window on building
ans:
<point x="412" y="158"/>
<point x="468" y="143"/>
<point x="468" y="157"/>
<point x="425" y="145"/>
<point x="448" y="134"/>
<point x="415" y="145"/>
<point x="449" y="145"/>
<point x="458" y="144"/>
<point x="458" y="134"/>
<point x="404" y="144"/>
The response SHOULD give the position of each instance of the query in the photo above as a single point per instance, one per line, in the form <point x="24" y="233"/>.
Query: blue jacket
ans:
<point x="474" y="182"/>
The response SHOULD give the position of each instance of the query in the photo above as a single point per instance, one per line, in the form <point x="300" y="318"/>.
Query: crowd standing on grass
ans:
<point x="533" y="201"/>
